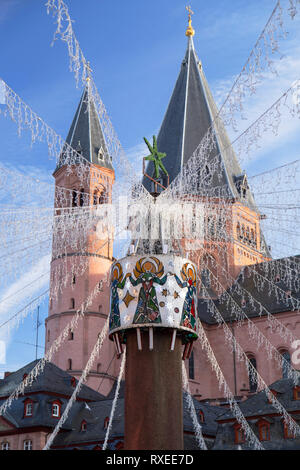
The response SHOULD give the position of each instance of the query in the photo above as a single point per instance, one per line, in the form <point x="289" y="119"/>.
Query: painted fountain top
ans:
<point x="154" y="291"/>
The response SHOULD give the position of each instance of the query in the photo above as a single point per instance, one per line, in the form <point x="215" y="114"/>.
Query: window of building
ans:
<point x="72" y="303"/>
<point x="252" y="374"/>
<point x="273" y="393"/>
<point x="288" y="434"/>
<point x="201" y="416"/>
<point x="192" y="366"/>
<point x="4" y="445"/>
<point x="73" y="382"/>
<point x="239" y="435"/>
<point x="205" y="278"/>
<point x="73" y="279"/>
<point x="28" y="408"/>
<point x="81" y="198"/>
<point x="120" y="445"/>
<point x="264" y="430"/>
<point x="74" y="198"/>
<point x="71" y="335"/>
<point x="69" y="364"/>
<point x="56" y="409"/>
<point x="27" y="445"/>
<point x="100" y="155"/>
<point x="296" y="393"/>
<point x="24" y="376"/>
<point x="106" y="422"/>
<point x="83" y="426"/>
<point x="103" y="197"/>
<point x="286" y="363"/>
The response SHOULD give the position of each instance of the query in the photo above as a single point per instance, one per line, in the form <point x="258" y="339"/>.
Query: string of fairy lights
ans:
<point x="44" y="231"/>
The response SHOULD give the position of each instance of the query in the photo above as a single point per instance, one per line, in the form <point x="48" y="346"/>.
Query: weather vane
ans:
<point x="190" y="30"/>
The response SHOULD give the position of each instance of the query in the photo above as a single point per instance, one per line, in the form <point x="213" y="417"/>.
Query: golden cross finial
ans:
<point x="88" y="71"/>
<point x="190" y="30"/>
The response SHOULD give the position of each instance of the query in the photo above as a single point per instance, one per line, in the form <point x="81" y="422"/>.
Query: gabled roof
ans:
<point x="85" y="134"/>
<point x="190" y="113"/>
<point x="52" y="379"/>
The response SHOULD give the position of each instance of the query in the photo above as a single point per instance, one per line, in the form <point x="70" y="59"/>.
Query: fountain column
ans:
<point x="153" y="312"/>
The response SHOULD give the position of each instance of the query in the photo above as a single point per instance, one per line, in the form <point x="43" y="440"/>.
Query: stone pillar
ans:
<point x="153" y="392"/>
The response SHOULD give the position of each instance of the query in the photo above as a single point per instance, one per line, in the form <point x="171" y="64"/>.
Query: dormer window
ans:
<point x="273" y="393"/>
<point x="83" y="426"/>
<point x="73" y="382"/>
<point x="263" y="430"/>
<point x="201" y="416"/>
<point x="106" y="422"/>
<point x="296" y="393"/>
<point x="288" y="434"/>
<point x="100" y="155"/>
<point x="56" y="409"/>
<point x="28" y="408"/>
<point x="239" y="434"/>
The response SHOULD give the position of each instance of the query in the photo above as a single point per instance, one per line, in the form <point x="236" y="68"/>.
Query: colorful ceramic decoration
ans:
<point x="154" y="291"/>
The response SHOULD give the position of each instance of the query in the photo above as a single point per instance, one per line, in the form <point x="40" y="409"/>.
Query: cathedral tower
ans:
<point x="77" y="270"/>
<point x="232" y="237"/>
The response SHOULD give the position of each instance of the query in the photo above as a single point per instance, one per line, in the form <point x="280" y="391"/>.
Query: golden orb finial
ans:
<point x="88" y="71"/>
<point x="190" y="30"/>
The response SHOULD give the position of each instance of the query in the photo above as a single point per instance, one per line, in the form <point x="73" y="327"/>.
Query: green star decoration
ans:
<point x="156" y="157"/>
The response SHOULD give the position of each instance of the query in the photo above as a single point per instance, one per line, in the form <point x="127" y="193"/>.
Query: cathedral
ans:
<point x="244" y="255"/>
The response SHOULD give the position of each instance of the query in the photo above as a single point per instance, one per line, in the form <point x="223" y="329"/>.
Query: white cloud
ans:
<point x="16" y="296"/>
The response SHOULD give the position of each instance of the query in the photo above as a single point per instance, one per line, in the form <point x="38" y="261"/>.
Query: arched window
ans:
<point x="74" y="198"/>
<point x="205" y="277"/>
<point x="95" y="198"/>
<point x="27" y="444"/>
<point x="191" y="366"/>
<point x="73" y="279"/>
<point x="71" y="335"/>
<point x="56" y="409"/>
<point x="81" y="198"/>
<point x="83" y="426"/>
<point x="285" y="363"/>
<point x="106" y="422"/>
<point x="252" y="374"/>
<point x="72" y="303"/>
<point x="69" y="364"/>
<point x="238" y="230"/>
<point x="103" y="199"/>
<point x="5" y="445"/>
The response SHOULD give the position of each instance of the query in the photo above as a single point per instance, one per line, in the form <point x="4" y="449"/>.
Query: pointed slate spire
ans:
<point x="190" y="114"/>
<point x="85" y="134"/>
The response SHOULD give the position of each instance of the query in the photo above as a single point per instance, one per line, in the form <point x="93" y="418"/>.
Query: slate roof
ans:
<point x="53" y="379"/>
<point x="256" y="408"/>
<point x="190" y="113"/>
<point x="286" y="269"/>
<point x="85" y="134"/>
<point x="95" y="431"/>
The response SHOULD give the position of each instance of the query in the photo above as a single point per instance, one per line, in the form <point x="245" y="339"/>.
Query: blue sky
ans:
<point x="135" y="49"/>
